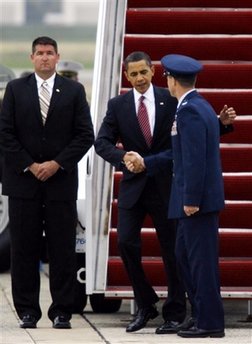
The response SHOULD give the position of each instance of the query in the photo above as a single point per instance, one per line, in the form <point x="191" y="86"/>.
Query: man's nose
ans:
<point x="139" y="76"/>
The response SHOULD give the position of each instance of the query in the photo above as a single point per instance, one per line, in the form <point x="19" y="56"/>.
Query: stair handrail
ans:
<point x="106" y="81"/>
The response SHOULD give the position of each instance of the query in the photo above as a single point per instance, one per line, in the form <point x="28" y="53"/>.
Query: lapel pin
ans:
<point x="57" y="90"/>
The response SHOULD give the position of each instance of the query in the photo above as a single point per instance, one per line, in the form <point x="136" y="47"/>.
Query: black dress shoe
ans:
<point x="28" y="321"/>
<point x="61" y="322"/>
<point x="141" y="319"/>
<point x="195" y="332"/>
<point x="169" y="326"/>
<point x="187" y="323"/>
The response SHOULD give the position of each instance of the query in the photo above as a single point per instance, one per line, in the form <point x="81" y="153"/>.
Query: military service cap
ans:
<point x="180" y="65"/>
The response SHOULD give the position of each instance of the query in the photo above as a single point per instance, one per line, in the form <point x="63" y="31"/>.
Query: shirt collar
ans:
<point x="49" y="81"/>
<point x="183" y="97"/>
<point x="149" y="94"/>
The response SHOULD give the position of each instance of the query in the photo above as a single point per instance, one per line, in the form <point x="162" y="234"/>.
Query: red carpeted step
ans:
<point x="153" y="267"/>
<point x="231" y="79"/>
<point x="201" y="47"/>
<point x="190" y="3"/>
<point x="117" y="178"/>
<point x="236" y="272"/>
<point x="237" y="214"/>
<point x="189" y="21"/>
<point x="240" y="99"/>
<point x="233" y="272"/>
<point x="238" y="186"/>
<point x="236" y="158"/>
<point x="216" y="74"/>
<point x="233" y="243"/>
<point x="242" y="131"/>
<point x="225" y="74"/>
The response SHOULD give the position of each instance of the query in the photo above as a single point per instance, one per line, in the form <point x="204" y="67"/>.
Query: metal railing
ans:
<point x="106" y="81"/>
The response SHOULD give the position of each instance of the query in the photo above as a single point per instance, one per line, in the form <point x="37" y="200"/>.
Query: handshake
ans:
<point x="134" y="162"/>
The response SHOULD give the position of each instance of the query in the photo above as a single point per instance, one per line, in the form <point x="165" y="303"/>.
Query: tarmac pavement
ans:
<point x="93" y="328"/>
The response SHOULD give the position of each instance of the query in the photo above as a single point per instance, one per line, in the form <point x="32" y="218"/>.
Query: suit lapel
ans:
<point x="35" y="97"/>
<point x="56" y="94"/>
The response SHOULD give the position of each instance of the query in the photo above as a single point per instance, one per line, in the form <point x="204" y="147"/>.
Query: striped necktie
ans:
<point x="143" y="120"/>
<point x="44" y="101"/>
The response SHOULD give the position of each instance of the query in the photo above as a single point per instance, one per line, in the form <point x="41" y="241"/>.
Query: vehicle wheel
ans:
<point x="80" y="297"/>
<point x="4" y="233"/>
<point x="100" y="304"/>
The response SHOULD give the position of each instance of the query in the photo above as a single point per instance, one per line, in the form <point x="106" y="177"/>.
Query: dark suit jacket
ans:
<point x="121" y="124"/>
<point x="197" y="179"/>
<point x="65" y="138"/>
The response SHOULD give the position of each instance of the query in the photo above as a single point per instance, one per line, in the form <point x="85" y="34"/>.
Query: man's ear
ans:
<point x="126" y="75"/>
<point x="152" y="69"/>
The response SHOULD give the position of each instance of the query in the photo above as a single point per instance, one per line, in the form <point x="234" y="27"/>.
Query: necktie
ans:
<point x="44" y="100"/>
<point x="143" y="120"/>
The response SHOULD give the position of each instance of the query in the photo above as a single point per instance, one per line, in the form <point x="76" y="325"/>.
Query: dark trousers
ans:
<point x="129" y="241"/>
<point x="197" y="254"/>
<point x="28" y="219"/>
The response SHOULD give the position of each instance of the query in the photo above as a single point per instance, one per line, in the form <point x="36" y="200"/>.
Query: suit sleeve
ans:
<point x="160" y="162"/>
<point x="225" y="129"/>
<point x="82" y="133"/>
<point x="108" y="137"/>
<point x="18" y="156"/>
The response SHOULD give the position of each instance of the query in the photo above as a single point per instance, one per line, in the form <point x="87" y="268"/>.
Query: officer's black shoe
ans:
<point x="195" y="332"/>
<point x="142" y="317"/>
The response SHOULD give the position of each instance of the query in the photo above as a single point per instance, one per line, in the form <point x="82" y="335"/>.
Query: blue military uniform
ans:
<point x="197" y="182"/>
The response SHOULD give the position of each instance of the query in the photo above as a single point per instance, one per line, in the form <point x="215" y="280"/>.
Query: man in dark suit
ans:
<point x="141" y="194"/>
<point x="40" y="176"/>
<point x="197" y="195"/>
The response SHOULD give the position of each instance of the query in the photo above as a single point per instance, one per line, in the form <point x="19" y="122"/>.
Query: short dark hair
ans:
<point x="137" y="56"/>
<point x="44" y="40"/>
<point x="186" y="80"/>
